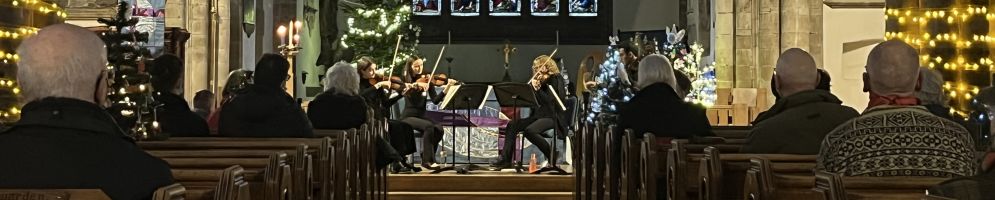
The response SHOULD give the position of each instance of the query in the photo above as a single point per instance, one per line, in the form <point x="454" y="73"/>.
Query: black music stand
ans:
<point x="464" y="97"/>
<point x="517" y="95"/>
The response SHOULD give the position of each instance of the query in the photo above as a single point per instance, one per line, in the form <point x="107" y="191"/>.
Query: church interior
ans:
<point x="496" y="99"/>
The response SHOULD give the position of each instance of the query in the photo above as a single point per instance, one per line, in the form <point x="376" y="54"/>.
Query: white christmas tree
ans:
<point x="687" y="59"/>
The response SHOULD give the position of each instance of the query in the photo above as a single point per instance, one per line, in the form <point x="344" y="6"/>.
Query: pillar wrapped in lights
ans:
<point x="19" y="19"/>
<point x="953" y="37"/>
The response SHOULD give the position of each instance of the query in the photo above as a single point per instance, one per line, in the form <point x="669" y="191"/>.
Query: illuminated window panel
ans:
<point x="425" y="7"/>
<point x="545" y="7"/>
<point x="584" y="8"/>
<point x="465" y="7"/>
<point x="505" y="8"/>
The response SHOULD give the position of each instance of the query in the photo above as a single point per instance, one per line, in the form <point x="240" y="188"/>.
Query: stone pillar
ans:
<point x="795" y="23"/>
<point x="745" y="57"/>
<point x="815" y="31"/>
<point x="724" y="51"/>
<point x="193" y="16"/>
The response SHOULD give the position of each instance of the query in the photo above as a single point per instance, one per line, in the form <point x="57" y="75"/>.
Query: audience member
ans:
<point x="824" y="81"/>
<point x="657" y="108"/>
<point x="804" y="114"/>
<point x="203" y="103"/>
<point x="894" y="136"/>
<point x="341" y="107"/>
<point x="65" y="140"/>
<point x="238" y="81"/>
<point x="264" y="109"/>
<point x="978" y="187"/>
<point x="931" y="94"/>
<point x="174" y="116"/>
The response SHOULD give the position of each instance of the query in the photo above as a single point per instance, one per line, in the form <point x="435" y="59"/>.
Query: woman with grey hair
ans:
<point x="658" y="108"/>
<point x="931" y="93"/>
<point x="340" y="106"/>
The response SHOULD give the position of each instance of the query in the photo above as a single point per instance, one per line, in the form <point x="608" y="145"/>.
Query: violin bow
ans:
<point x="544" y="63"/>
<point x="430" y="76"/>
<point x="393" y="61"/>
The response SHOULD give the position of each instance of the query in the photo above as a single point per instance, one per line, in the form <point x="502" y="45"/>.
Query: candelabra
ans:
<point x="289" y="47"/>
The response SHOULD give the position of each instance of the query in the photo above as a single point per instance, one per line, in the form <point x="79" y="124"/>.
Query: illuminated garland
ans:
<point x="954" y="40"/>
<point x="610" y="91"/>
<point x="374" y="28"/>
<point x="36" y="14"/>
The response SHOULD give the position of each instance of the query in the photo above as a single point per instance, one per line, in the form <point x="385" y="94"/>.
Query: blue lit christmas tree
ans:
<point x="610" y="91"/>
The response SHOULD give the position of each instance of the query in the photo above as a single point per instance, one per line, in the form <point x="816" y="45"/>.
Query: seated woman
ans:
<point x="401" y="135"/>
<point x="548" y="115"/>
<point x="341" y="107"/>
<point x="264" y="109"/>
<point x="659" y="107"/>
<point x="238" y="80"/>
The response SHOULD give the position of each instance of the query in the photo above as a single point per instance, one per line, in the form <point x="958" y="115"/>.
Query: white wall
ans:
<point x="641" y="15"/>
<point x="853" y="26"/>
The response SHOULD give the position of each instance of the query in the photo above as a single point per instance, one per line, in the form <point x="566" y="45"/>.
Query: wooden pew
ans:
<point x="53" y="194"/>
<point x="228" y="184"/>
<point x="175" y="191"/>
<point x="762" y="183"/>
<point x="721" y="176"/>
<point x="272" y="181"/>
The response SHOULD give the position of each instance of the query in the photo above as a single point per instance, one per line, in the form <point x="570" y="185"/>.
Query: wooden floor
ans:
<point x="481" y="185"/>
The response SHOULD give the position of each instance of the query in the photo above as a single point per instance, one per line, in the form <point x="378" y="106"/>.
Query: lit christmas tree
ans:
<point x="27" y="18"/>
<point x="610" y="91"/>
<point x="374" y="27"/>
<point x="130" y="94"/>
<point x="687" y="59"/>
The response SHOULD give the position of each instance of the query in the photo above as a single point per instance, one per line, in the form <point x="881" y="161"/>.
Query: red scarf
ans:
<point x="892" y="100"/>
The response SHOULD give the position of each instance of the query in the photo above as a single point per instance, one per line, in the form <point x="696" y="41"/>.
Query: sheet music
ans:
<point x="451" y="92"/>
<point x="557" y="96"/>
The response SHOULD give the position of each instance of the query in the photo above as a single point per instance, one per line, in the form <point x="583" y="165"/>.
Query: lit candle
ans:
<point x="291" y="32"/>
<point x="297" y="25"/>
<point x="297" y="39"/>
<point x="282" y="32"/>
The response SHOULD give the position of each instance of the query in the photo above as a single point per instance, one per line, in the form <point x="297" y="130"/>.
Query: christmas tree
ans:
<point x="27" y="19"/>
<point x="610" y="91"/>
<point x="130" y="93"/>
<point x="375" y="25"/>
<point x="687" y="59"/>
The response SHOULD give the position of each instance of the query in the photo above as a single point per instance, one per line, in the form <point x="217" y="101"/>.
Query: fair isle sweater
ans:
<point x="898" y="141"/>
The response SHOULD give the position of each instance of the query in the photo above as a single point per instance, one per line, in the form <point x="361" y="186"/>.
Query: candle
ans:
<point x="282" y="32"/>
<point x="297" y="25"/>
<point x="291" y="32"/>
<point x="297" y="39"/>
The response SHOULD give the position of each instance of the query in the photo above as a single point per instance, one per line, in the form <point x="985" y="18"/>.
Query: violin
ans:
<point x="396" y="84"/>
<point x="441" y="79"/>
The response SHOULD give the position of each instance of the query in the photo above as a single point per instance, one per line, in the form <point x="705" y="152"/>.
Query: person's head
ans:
<point x="271" y="71"/>
<point x="683" y="83"/>
<point x="204" y="100"/>
<point x="342" y="79"/>
<point x="628" y="52"/>
<point x="931" y="92"/>
<point x="237" y="80"/>
<point x="825" y="82"/>
<point x="544" y="65"/>
<point x="413" y="67"/>
<point x="366" y="67"/>
<point x="796" y="72"/>
<point x="63" y="60"/>
<point x="892" y="69"/>
<point x="656" y="69"/>
<point x="167" y="73"/>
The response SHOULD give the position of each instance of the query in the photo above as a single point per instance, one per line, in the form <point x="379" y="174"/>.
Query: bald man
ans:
<point x="895" y="136"/>
<point x="65" y="139"/>
<point x="797" y="122"/>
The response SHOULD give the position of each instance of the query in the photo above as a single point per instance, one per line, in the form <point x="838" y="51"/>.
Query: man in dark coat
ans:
<point x="804" y="114"/>
<point x="265" y="109"/>
<point x="65" y="140"/>
<point x="175" y="117"/>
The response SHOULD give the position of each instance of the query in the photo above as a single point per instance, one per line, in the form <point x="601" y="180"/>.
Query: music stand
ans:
<point x="463" y="97"/>
<point x="517" y="95"/>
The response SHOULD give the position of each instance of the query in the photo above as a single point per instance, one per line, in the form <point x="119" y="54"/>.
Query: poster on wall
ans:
<point x="151" y="15"/>
<point x="584" y="8"/>
<point x="505" y="8"/>
<point x="465" y="7"/>
<point x="425" y="7"/>
<point x="545" y="7"/>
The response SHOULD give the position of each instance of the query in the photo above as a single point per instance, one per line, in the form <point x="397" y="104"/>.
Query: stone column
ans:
<point x="724" y="51"/>
<point x="193" y="16"/>
<point x="815" y="31"/>
<point x="745" y="43"/>
<point x="795" y="24"/>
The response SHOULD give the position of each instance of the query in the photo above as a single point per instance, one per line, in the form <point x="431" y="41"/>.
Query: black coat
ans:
<point x="67" y="143"/>
<point x="377" y="99"/>
<point x="657" y="109"/>
<point x="804" y="117"/>
<point x="263" y="112"/>
<point x="332" y="110"/>
<point x="176" y="119"/>
<point x="548" y="105"/>
<point x="415" y="102"/>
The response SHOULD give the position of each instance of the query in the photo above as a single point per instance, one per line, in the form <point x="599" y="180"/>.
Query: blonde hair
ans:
<point x="547" y="62"/>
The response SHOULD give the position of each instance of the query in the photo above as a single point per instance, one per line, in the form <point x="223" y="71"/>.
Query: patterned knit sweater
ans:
<point x="898" y="141"/>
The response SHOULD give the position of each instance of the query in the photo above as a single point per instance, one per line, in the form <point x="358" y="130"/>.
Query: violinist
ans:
<point x="415" y="97"/>
<point x="375" y="89"/>
<point x="548" y="115"/>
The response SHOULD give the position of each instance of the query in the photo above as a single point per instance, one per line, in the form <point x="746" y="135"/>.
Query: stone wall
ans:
<point x="195" y="17"/>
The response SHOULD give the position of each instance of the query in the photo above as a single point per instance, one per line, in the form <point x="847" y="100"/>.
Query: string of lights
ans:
<point x="34" y="14"/>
